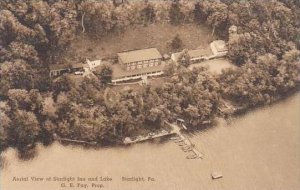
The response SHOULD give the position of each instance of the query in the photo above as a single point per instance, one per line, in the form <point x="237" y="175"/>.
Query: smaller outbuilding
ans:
<point x="93" y="64"/>
<point x="166" y="56"/>
<point x="60" y="69"/>
<point x="196" y="55"/>
<point x="218" y="48"/>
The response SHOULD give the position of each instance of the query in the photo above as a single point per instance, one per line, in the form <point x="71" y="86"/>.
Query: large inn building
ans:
<point x="139" y="59"/>
<point x="137" y="64"/>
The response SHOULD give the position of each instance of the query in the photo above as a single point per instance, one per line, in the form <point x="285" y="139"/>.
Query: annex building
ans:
<point x="219" y="48"/>
<point x="196" y="55"/>
<point x="216" y="49"/>
<point x="59" y="69"/>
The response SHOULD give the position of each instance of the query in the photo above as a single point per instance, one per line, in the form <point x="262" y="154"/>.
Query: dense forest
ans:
<point x="36" y="34"/>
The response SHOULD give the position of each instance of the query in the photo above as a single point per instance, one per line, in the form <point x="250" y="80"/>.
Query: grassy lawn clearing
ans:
<point x="139" y="37"/>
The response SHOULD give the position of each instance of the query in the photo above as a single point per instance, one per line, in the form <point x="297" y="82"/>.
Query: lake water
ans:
<point x="260" y="150"/>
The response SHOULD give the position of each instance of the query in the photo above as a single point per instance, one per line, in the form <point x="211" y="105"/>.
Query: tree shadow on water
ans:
<point x="28" y="153"/>
<point x="3" y="162"/>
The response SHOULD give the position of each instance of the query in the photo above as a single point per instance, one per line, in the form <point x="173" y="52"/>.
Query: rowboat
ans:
<point x="216" y="175"/>
<point x="174" y="138"/>
<point x="178" y="141"/>
<point x="192" y="157"/>
<point x="182" y="144"/>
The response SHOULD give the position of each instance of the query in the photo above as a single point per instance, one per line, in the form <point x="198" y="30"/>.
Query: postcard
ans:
<point x="149" y="95"/>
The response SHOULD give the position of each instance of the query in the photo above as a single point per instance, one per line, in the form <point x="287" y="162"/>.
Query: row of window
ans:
<point x="137" y="75"/>
<point x="143" y="62"/>
<point x="142" y="66"/>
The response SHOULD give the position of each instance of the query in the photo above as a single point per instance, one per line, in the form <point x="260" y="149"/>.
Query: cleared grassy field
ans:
<point x="215" y="66"/>
<point x="139" y="37"/>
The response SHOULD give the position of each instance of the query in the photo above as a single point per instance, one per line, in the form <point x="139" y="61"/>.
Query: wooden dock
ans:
<point x="163" y="133"/>
<point x="191" y="146"/>
<point x="182" y="141"/>
<point x="76" y="141"/>
<point x="185" y="140"/>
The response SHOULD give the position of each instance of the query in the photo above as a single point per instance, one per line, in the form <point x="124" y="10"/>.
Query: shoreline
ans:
<point x="93" y="144"/>
<point x="242" y="148"/>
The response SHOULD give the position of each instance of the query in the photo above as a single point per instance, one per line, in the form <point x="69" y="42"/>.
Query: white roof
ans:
<point x="96" y="62"/>
<point x="220" y="45"/>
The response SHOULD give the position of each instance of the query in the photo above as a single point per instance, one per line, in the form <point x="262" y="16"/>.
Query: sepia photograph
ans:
<point x="149" y="94"/>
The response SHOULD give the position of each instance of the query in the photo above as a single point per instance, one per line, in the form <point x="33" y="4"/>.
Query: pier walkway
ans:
<point x="187" y="145"/>
<point x="147" y="137"/>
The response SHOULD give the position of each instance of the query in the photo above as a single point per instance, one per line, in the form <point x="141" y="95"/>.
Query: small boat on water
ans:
<point x="186" y="148"/>
<point x="216" y="175"/>
<point x="182" y="144"/>
<point x="179" y="140"/>
<point x="191" y="157"/>
<point x="174" y="138"/>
